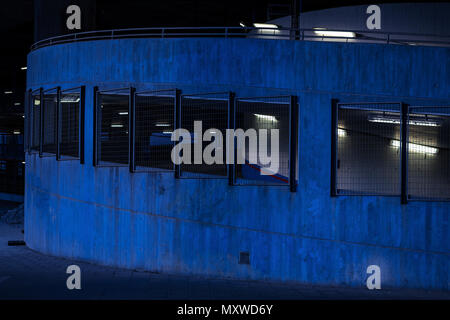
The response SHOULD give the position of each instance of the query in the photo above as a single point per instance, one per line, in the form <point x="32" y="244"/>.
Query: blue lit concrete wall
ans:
<point x="154" y="222"/>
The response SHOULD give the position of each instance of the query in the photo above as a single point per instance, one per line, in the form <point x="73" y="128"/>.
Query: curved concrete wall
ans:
<point x="154" y="222"/>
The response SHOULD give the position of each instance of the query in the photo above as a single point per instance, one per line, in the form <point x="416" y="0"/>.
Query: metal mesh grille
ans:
<point x="70" y="125"/>
<point x="264" y="113"/>
<point x="49" y="123"/>
<point x="112" y="139"/>
<point x="35" y="122"/>
<point x="368" y="158"/>
<point x="154" y="124"/>
<point x="212" y="110"/>
<point x="429" y="153"/>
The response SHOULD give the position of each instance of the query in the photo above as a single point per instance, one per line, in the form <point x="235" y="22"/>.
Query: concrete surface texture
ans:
<point x="199" y="227"/>
<point x="26" y="274"/>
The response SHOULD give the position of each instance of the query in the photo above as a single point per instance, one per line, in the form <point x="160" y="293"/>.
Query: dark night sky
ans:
<point x="17" y="26"/>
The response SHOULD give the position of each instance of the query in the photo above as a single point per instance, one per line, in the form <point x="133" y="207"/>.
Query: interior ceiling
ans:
<point x="358" y="121"/>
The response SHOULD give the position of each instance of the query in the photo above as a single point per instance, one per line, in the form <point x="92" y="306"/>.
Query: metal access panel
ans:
<point x="264" y="114"/>
<point x="70" y="129"/>
<point x="154" y="122"/>
<point x="112" y="127"/>
<point x="429" y="153"/>
<point x="212" y="109"/>
<point x="368" y="160"/>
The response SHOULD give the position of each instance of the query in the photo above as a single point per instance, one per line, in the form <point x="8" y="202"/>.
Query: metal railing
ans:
<point x="279" y="33"/>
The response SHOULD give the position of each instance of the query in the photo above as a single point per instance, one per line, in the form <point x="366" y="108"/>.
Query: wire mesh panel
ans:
<point x="35" y="122"/>
<point x="153" y="127"/>
<point x="69" y="120"/>
<point x="112" y="129"/>
<point x="429" y="153"/>
<point x="27" y="124"/>
<point x="368" y="155"/>
<point x="49" y="107"/>
<point x="212" y="110"/>
<point x="253" y="115"/>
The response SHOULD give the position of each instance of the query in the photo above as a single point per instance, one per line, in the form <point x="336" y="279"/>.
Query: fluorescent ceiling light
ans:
<point x="117" y="126"/>
<point x="123" y="113"/>
<point x="265" y="25"/>
<point x="16" y="132"/>
<point x="412" y="121"/>
<point x="383" y="119"/>
<point x="162" y="125"/>
<point x="17" y="104"/>
<point x="425" y="122"/>
<point x="342" y="34"/>
<point x="265" y="117"/>
<point x="8" y="92"/>
<point x="70" y="99"/>
<point x="242" y="24"/>
<point x="167" y="132"/>
<point x="342" y="133"/>
<point x="23" y="68"/>
<point x="416" y="147"/>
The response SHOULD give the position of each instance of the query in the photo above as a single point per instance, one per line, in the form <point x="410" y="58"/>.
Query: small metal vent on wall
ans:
<point x="244" y="258"/>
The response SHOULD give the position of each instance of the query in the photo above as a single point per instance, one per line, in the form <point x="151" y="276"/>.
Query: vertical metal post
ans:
<point x="95" y="138"/>
<point x="404" y="153"/>
<point x="293" y="143"/>
<point x="58" y="121"/>
<point x="295" y="16"/>
<point x="82" y="123"/>
<point x="131" y="131"/>
<point x="177" y="125"/>
<point x="299" y="10"/>
<point x="231" y="125"/>
<point x="294" y="19"/>
<point x="41" y="120"/>
<point x="334" y="137"/>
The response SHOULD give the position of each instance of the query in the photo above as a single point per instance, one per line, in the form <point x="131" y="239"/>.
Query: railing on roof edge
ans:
<point x="252" y="33"/>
